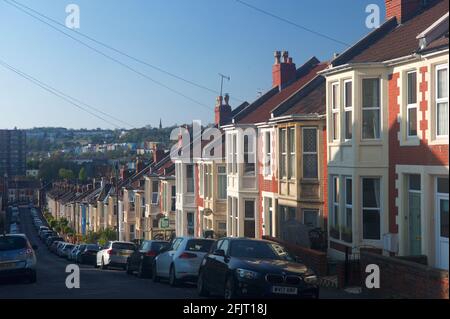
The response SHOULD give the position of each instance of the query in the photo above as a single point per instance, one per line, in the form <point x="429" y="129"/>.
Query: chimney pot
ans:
<point x="277" y="56"/>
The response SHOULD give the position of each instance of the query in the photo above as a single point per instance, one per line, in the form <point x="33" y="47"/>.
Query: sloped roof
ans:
<point x="393" y="40"/>
<point x="261" y="112"/>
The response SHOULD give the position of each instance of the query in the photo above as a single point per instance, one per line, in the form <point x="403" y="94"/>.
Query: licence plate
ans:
<point x="284" y="290"/>
<point x="7" y="265"/>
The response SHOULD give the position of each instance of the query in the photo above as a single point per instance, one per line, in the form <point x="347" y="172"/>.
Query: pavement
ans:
<point x="97" y="283"/>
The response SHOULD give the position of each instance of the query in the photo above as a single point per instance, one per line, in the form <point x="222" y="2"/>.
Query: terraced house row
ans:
<point x="356" y="146"/>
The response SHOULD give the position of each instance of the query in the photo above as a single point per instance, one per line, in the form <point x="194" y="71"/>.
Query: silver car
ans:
<point x="17" y="257"/>
<point x="181" y="262"/>
<point x="115" y="254"/>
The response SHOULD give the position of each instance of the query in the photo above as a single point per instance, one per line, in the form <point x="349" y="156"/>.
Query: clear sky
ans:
<point x="194" y="39"/>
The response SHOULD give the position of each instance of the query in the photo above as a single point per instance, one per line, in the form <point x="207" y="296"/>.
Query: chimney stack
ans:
<point x="139" y="165"/>
<point x="403" y="9"/>
<point x="222" y="111"/>
<point x="158" y="154"/>
<point x="283" y="72"/>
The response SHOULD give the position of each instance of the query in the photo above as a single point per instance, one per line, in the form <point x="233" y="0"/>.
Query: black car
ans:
<point x="142" y="259"/>
<point x="89" y="254"/>
<point x="250" y="268"/>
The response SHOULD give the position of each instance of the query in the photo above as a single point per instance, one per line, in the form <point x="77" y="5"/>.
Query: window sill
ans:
<point x="375" y="142"/>
<point x="439" y="141"/>
<point x="410" y="141"/>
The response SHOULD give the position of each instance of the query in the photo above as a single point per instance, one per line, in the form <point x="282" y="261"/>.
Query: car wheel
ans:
<point x="103" y="264"/>
<point x="229" y="291"/>
<point x="173" y="281"/>
<point x="201" y="287"/>
<point x="154" y="274"/>
<point x="32" y="277"/>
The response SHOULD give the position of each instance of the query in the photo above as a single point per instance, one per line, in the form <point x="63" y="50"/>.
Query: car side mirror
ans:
<point x="219" y="252"/>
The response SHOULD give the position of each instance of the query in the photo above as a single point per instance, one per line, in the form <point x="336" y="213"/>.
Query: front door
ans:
<point x="442" y="231"/>
<point x="415" y="233"/>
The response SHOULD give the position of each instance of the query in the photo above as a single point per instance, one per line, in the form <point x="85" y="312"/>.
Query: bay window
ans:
<point x="249" y="218"/>
<point x="335" y="207"/>
<point x="190" y="178"/>
<point x="411" y="115"/>
<point x="371" y="108"/>
<point x="442" y="100"/>
<point x="371" y="208"/>
<point x="310" y="169"/>
<point x="221" y="182"/>
<point x="348" y="102"/>
<point x="348" y="203"/>
<point x="267" y="154"/>
<point x="291" y="160"/>
<point x="155" y="192"/>
<point x="249" y="155"/>
<point x="283" y="160"/>
<point x="335" y="111"/>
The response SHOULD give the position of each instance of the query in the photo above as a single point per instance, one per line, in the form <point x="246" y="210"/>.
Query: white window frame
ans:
<point x="379" y="108"/>
<point x="439" y="100"/>
<point x="348" y="109"/>
<point x="335" y="112"/>
<point x="267" y="153"/>
<point x="192" y="166"/>
<point x="155" y="193"/>
<point x="223" y="174"/>
<point x="335" y="201"/>
<point x="379" y="209"/>
<point x="347" y="205"/>
<point x="316" y="153"/>
<point x="284" y="159"/>
<point x="291" y="153"/>
<point x="411" y="106"/>
<point x="201" y="168"/>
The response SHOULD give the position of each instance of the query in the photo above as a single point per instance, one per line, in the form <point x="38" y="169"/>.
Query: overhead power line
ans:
<point x="112" y="58"/>
<point x="56" y="92"/>
<point x="121" y="52"/>
<point x="292" y="23"/>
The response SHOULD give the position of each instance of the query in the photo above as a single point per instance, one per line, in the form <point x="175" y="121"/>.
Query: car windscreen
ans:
<point x="12" y="243"/>
<point x="158" y="246"/>
<point x="199" y="245"/>
<point x="123" y="246"/>
<point x="69" y="247"/>
<point x="258" y="249"/>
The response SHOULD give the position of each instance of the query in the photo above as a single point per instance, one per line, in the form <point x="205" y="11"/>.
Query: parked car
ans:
<point x="48" y="234"/>
<point x="181" y="261"/>
<point x="243" y="267"/>
<point x="72" y="252"/>
<point x="77" y="252"/>
<point x="17" y="257"/>
<point x="66" y="249"/>
<point x="54" y="246"/>
<point x="59" y="248"/>
<point x="51" y="239"/>
<point x="89" y="255"/>
<point x="141" y="260"/>
<point x="115" y="254"/>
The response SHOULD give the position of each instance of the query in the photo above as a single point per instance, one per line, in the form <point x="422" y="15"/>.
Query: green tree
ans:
<point x="82" y="175"/>
<point x="65" y="173"/>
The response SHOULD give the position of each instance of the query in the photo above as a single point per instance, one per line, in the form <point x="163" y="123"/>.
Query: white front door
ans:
<point x="442" y="230"/>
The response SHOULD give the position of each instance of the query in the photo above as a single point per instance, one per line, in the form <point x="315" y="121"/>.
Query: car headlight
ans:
<point x="247" y="274"/>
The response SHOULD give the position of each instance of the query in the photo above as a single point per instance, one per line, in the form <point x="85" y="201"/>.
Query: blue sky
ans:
<point x="194" y="39"/>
